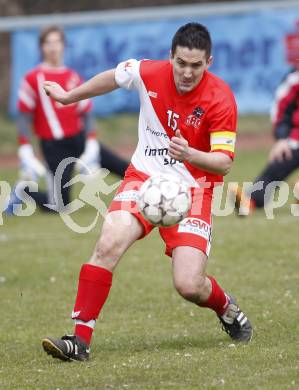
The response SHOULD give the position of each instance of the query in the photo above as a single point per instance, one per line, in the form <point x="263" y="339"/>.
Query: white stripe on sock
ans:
<point x="90" y="324"/>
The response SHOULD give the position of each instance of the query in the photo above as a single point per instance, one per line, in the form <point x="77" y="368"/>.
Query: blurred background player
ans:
<point x="284" y="154"/>
<point x="62" y="131"/>
<point x="194" y="114"/>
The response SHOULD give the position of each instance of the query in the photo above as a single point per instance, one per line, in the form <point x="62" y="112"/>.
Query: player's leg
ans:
<point x="189" y="245"/>
<point x="191" y="281"/>
<point x="193" y="284"/>
<point x="274" y="171"/>
<point x="111" y="161"/>
<point x="296" y="192"/>
<point x="121" y="228"/>
<point x="45" y="198"/>
<point x="40" y="198"/>
<point x="55" y="152"/>
<point x="119" y="231"/>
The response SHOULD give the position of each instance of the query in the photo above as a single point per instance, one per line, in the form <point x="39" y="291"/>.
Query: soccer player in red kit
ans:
<point x="283" y="158"/>
<point x="187" y="128"/>
<point x="62" y="131"/>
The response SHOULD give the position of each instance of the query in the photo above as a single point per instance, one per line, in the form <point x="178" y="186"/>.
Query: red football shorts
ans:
<point x="194" y="230"/>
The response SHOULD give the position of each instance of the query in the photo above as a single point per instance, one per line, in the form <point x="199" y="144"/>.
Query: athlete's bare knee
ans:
<point x="190" y="289"/>
<point x="107" y="252"/>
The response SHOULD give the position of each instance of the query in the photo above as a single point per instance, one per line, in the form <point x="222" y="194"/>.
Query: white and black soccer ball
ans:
<point x="164" y="200"/>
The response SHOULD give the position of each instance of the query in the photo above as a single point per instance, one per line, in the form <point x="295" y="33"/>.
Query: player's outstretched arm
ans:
<point x="99" y="85"/>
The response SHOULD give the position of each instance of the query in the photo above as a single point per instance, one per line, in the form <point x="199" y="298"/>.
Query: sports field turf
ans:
<point x="147" y="336"/>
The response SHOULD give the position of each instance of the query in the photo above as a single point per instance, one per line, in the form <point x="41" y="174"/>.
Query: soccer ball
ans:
<point x="164" y="200"/>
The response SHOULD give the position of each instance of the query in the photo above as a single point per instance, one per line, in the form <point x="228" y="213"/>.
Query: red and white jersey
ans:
<point x="285" y="108"/>
<point x="206" y="117"/>
<point x="51" y="120"/>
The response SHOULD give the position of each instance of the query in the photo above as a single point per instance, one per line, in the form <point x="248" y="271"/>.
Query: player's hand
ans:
<point x="179" y="147"/>
<point x="30" y="167"/>
<point x="55" y="91"/>
<point x="89" y="161"/>
<point x="280" y="151"/>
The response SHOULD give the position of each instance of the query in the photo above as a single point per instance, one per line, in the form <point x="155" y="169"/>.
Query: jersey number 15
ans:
<point x="172" y="119"/>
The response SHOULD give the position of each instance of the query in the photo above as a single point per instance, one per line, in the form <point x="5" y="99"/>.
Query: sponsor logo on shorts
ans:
<point x="195" y="226"/>
<point x="129" y="196"/>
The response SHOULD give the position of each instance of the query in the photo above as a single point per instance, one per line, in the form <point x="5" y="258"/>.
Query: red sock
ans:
<point x="84" y="332"/>
<point x="217" y="300"/>
<point x="93" y="289"/>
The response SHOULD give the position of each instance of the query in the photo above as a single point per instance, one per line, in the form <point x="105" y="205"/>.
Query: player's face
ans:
<point x="52" y="48"/>
<point x="188" y="67"/>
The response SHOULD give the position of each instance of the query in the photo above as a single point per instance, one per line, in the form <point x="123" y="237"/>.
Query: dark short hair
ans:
<point x="48" y="30"/>
<point x="192" y="36"/>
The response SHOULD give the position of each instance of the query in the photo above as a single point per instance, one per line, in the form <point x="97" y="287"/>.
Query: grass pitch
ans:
<point x="147" y="336"/>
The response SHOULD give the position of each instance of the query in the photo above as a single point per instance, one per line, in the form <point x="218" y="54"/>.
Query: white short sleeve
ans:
<point x="127" y="74"/>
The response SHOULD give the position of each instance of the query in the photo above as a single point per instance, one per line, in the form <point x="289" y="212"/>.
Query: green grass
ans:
<point x="7" y="135"/>
<point x="147" y="336"/>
